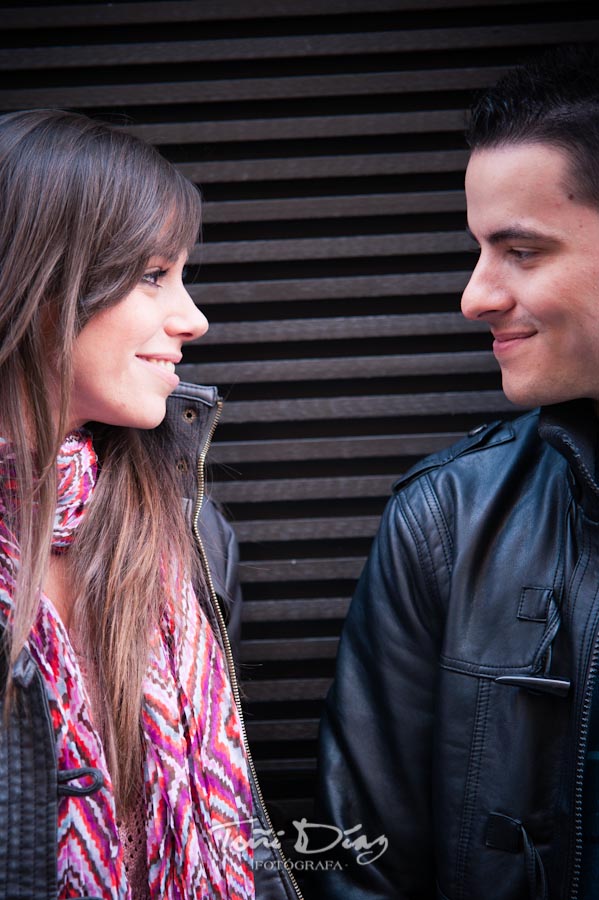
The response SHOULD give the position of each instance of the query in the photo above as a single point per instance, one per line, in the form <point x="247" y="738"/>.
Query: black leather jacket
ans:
<point x="456" y="727"/>
<point x="30" y="784"/>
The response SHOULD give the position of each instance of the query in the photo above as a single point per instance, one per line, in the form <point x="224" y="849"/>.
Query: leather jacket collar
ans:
<point x="572" y="429"/>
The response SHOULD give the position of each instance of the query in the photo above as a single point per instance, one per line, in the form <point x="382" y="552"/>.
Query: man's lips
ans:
<point x="504" y="341"/>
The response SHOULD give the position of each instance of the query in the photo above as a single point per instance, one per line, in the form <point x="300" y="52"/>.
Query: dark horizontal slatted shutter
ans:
<point x="326" y="136"/>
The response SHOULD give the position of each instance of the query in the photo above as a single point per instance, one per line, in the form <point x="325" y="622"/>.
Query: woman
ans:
<point x="123" y="765"/>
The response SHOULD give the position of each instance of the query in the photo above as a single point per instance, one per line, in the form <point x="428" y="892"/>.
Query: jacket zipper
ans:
<point x="224" y="634"/>
<point x="580" y="766"/>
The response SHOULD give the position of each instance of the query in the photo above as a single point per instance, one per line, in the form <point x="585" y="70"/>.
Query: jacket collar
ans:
<point x="191" y="414"/>
<point x="572" y="429"/>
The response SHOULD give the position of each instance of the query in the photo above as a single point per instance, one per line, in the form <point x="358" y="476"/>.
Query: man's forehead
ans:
<point x="518" y="191"/>
<point x="536" y="162"/>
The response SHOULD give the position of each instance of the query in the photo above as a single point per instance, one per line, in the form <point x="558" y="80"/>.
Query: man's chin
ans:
<point x="529" y="396"/>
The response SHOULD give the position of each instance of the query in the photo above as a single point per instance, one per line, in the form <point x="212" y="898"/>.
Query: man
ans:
<point x="458" y="741"/>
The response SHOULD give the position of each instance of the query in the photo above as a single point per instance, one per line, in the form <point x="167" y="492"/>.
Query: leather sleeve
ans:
<point x="376" y="744"/>
<point x="222" y="550"/>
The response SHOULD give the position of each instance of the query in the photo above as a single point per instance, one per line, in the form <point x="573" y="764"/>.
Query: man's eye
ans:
<point x="521" y="255"/>
<point x="154" y="276"/>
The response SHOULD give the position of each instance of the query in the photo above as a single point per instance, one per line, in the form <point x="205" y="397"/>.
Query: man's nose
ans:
<point x="486" y="292"/>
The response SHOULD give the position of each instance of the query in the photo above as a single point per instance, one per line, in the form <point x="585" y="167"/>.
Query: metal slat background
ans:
<point x="326" y="137"/>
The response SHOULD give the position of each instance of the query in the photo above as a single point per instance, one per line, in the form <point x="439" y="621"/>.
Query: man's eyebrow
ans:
<point x="516" y="234"/>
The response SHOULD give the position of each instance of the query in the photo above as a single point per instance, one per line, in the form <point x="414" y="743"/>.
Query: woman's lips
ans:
<point x="162" y="367"/>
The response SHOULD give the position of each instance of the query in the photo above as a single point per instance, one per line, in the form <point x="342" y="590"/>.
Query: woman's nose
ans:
<point x="187" y="320"/>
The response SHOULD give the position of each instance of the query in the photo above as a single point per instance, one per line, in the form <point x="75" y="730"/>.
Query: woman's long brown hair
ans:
<point x="83" y="207"/>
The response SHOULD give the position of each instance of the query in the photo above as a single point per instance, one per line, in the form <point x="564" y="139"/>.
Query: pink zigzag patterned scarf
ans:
<point x="198" y="798"/>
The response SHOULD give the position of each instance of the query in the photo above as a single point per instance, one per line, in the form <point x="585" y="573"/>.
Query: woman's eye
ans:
<point x="154" y="276"/>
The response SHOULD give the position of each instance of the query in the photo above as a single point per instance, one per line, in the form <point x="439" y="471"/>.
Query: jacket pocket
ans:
<point x="508" y="834"/>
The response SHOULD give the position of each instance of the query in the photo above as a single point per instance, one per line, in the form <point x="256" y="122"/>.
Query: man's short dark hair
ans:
<point x="553" y="99"/>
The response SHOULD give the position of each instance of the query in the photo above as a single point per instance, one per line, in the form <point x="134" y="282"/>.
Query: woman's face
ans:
<point x="125" y="356"/>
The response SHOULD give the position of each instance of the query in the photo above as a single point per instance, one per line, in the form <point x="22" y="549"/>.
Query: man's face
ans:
<point x="536" y="282"/>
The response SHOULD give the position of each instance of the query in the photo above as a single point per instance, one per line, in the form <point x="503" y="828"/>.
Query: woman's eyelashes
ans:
<point x="154" y="276"/>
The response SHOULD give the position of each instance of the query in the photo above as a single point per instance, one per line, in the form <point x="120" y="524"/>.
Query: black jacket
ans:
<point x="30" y="784"/>
<point x="456" y="727"/>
